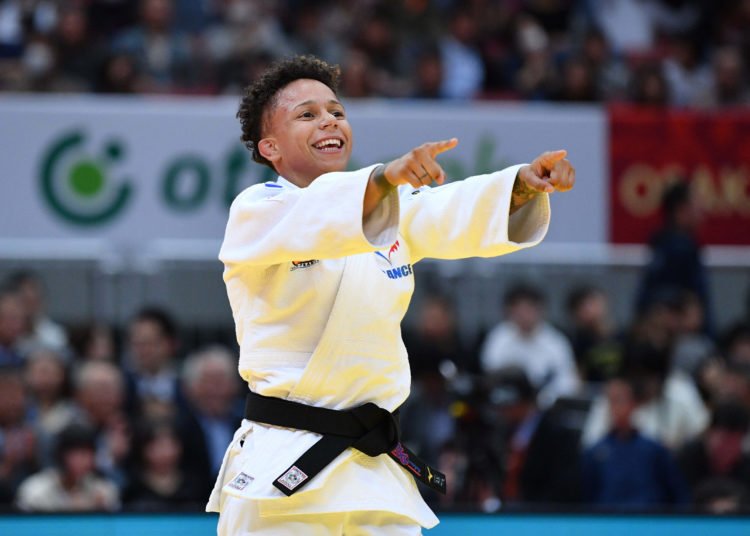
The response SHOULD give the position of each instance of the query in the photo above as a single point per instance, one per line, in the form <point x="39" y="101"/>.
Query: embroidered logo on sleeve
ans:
<point x="393" y="271"/>
<point x="296" y="265"/>
<point x="241" y="481"/>
<point x="292" y="478"/>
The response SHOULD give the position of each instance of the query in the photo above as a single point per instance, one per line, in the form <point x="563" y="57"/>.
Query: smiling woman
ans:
<point x="318" y="269"/>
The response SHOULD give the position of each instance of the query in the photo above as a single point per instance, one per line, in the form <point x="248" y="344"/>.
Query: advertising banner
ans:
<point x="131" y="171"/>
<point x="651" y="148"/>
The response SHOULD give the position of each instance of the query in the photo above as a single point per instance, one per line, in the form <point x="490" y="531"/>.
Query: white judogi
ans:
<point x="317" y="297"/>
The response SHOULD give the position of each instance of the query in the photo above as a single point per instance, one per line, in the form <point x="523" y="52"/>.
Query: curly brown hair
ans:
<point x="261" y="93"/>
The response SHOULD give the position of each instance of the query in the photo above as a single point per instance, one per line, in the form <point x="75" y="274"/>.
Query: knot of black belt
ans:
<point x="367" y="428"/>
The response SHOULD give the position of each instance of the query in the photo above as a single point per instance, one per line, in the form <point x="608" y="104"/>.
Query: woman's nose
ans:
<point x="328" y="120"/>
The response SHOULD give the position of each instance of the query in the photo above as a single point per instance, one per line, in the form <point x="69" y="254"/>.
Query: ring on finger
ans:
<point x="424" y="176"/>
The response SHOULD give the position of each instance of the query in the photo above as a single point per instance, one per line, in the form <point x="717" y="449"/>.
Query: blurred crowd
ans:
<point x="652" y="414"/>
<point x="654" y="52"/>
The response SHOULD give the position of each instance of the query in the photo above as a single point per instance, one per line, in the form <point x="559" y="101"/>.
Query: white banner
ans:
<point x="131" y="171"/>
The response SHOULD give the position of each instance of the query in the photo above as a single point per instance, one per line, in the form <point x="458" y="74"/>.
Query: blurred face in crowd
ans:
<point x="32" y="297"/>
<point x="306" y="133"/>
<point x="526" y="314"/>
<point x="157" y="14"/>
<point x="12" y="400"/>
<point x="436" y="320"/>
<point x="162" y="453"/>
<point x="77" y="463"/>
<point x="12" y="319"/>
<point x="100" y="392"/>
<point x="593" y="311"/>
<point x="152" y="349"/>
<point x="73" y="26"/>
<point x="691" y="316"/>
<point x="45" y="375"/>
<point x="214" y="387"/>
<point x="622" y="404"/>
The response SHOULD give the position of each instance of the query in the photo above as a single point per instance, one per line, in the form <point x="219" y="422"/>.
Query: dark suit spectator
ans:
<point x="210" y="383"/>
<point x="676" y="263"/>
<point x="626" y="469"/>
<point x="152" y="375"/>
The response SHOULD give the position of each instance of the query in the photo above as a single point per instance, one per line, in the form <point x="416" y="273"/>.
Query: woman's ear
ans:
<point x="268" y="149"/>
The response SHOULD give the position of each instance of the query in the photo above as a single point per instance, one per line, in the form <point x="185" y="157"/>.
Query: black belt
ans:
<point x="368" y="428"/>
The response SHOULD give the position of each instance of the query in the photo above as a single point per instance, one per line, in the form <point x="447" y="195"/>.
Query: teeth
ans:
<point x="328" y="143"/>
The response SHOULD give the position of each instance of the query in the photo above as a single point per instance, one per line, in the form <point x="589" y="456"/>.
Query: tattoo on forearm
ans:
<point x="521" y="194"/>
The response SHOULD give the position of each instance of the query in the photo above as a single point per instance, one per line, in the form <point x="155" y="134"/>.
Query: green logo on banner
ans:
<point x="76" y="185"/>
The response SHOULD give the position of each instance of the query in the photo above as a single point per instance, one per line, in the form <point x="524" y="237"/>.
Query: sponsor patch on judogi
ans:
<point x="292" y="478"/>
<point x="241" y="481"/>
<point x="296" y="265"/>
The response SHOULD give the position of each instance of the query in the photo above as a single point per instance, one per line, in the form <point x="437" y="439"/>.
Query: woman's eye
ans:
<point x="338" y="113"/>
<point x="307" y="115"/>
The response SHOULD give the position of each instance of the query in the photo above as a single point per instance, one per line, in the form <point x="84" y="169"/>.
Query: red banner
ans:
<point x="651" y="148"/>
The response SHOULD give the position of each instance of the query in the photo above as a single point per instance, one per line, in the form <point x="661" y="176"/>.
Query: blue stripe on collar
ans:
<point x="272" y="185"/>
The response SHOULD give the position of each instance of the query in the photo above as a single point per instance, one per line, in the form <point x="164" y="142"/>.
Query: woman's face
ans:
<point x="306" y="133"/>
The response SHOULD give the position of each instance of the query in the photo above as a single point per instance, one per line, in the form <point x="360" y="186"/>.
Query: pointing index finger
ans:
<point x="549" y="158"/>
<point x="437" y="147"/>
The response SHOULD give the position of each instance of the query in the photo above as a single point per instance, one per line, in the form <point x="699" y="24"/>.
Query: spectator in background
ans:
<point x="49" y="405"/>
<point x="463" y="70"/>
<point x="692" y="347"/>
<point x="630" y="26"/>
<point x="152" y="375"/>
<point x="426" y="419"/>
<point x="117" y="73"/>
<point x="729" y="78"/>
<point x="356" y="76"/>
<point x="648" y="86"/>
<point x="676" y="261"/>
<point x="73" y="484"/>
<point x="689" y="78"/>
<point x="513" y="399"/>
<point x="526" y="340"/>
<point x="625" y="469"/>
<point x="99" y="393"/>
<point x="610" y="74"/>
<point x="578" y="83"/>
<point x="429" y="74"/>
<point x="158" y="480"/>
<point x="12" y="327"/>
<point x="534" y="78"/>
<point x="162" y="55"/>
<point x="94" y="342"/>
<point x="18" y="441"/>
<point x="670" y="409"/>
<point x="718" y="454"/>
<point x="434" y="343"/>
<point x="40" y="329"/>
<point x="541" y="447"/>
<point x="377" y="39"/>
<point x="596" y="347"/>
<point x="210" y="382"/>
<point x="736" y="343"/>
<point x="75" y="54"/>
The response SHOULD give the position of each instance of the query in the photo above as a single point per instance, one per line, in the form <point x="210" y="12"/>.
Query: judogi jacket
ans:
<point x="318" y="296"/>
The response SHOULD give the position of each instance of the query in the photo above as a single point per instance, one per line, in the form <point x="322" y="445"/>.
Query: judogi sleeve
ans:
<point x="471" y="218"/>
<point x="269" y="226"/>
